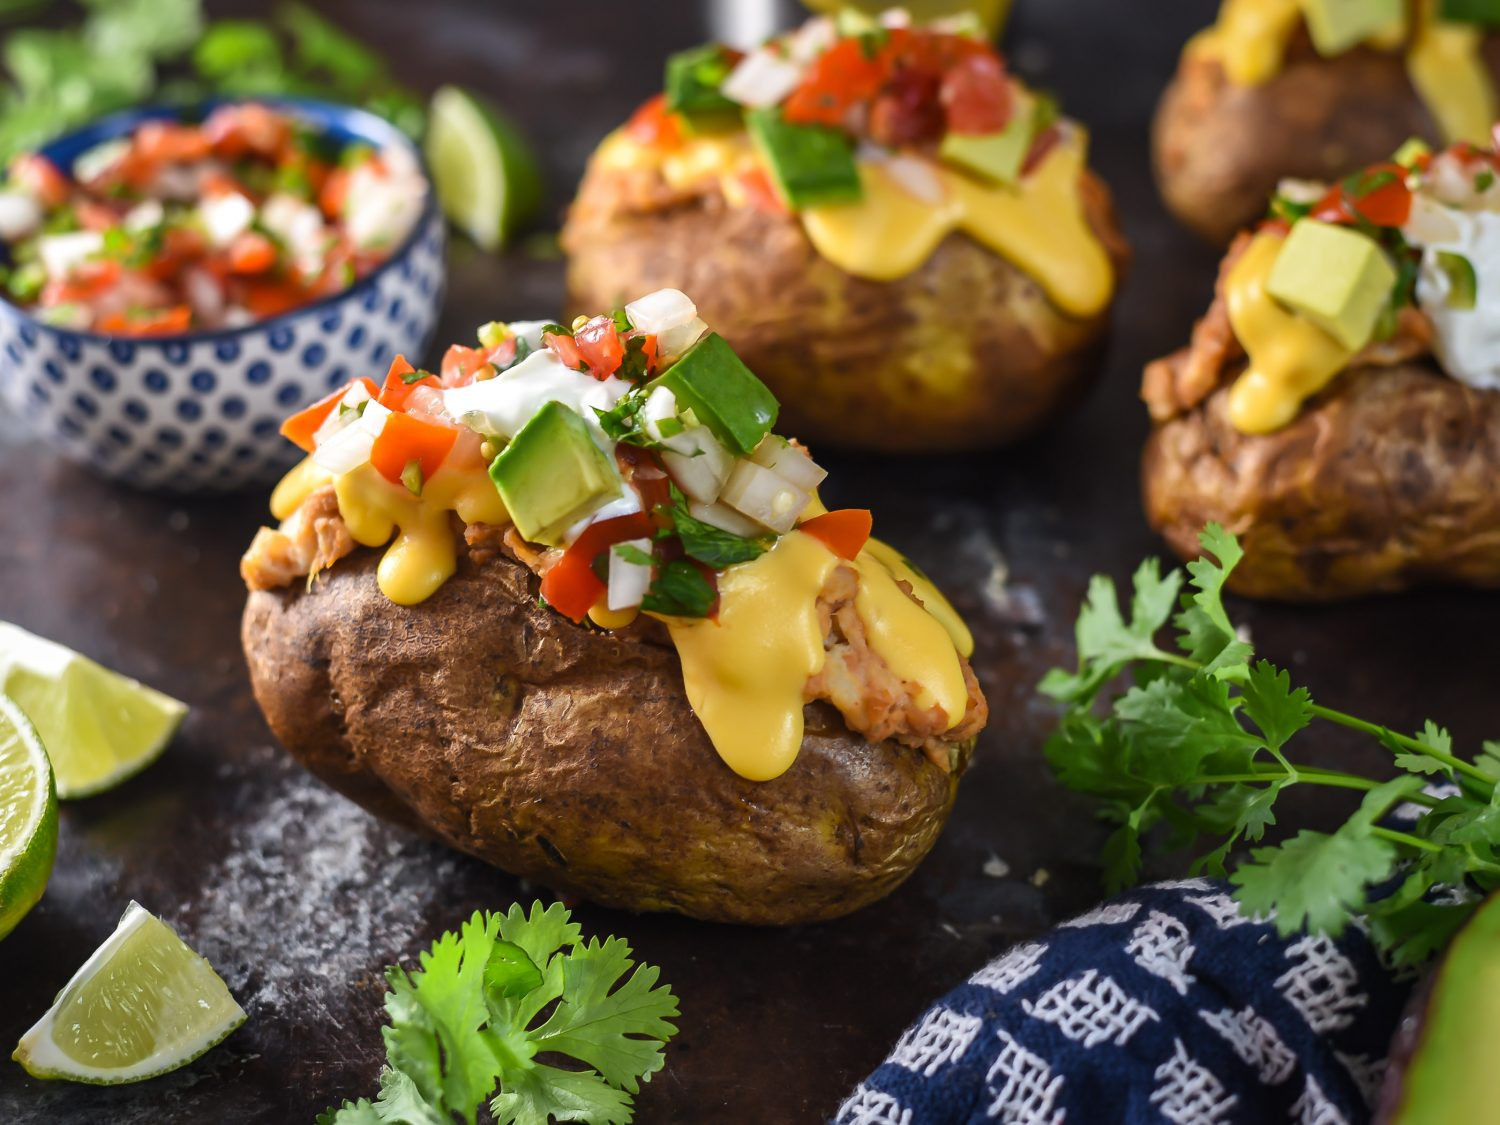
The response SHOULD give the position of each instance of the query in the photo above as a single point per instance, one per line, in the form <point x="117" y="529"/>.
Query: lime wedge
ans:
<point x="99" y="727"/>
<point x="142" y="1005"/>
<point x="28" y="816"/>
<point x="486" y="177"/>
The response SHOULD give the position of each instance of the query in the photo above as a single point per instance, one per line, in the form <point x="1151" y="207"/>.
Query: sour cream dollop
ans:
<point x="1467" y="340"/>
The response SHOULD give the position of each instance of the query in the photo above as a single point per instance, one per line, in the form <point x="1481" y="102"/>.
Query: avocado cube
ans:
<point x="693" y="80"/>
<point x="995" y="156"/>
<point x="723" y="393"/>
<point x="1486" y="12"/>
<point x="811" y="164"/>
<point x="1334" y="276"/>
<point x="552" y="475"/>
<point x="1337" y="25"/>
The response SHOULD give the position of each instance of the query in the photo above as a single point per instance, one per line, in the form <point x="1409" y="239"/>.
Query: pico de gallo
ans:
<point x="182" y="227"/>
<point x="630" y="461"/>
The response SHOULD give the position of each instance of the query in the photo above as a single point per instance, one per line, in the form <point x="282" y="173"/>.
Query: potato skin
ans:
<point x="1220" y="148"/>
<point x="966" y="352"/>
<point x="571" y="757"/>
<point x="1384" y="481"/>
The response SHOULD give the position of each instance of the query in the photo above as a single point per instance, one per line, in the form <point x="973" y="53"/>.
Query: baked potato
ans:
<point x="1381" y="476"/>
<point x="543" y="691"/>
<point x="944" y="285"/>
<point x="1254" y="101"/>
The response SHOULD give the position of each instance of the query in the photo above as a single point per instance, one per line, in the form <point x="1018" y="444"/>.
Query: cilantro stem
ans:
<point x="1386" y="735"/>
<point x="1405" y="838"/>
<point x="1313" y="776"/>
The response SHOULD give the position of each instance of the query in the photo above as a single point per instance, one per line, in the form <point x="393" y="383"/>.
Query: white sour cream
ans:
<point x="1467" y="340"/>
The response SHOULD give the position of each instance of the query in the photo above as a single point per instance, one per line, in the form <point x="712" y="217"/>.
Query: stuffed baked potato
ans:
<point x="1310" y="89"/>
<point x="903" y="240"/>
<point x="671" y="682"/>
<point x="1339" y="405"/>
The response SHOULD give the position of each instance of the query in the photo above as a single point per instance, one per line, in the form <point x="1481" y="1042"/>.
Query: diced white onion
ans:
<point x="99" y="160"/>
<point x="337" y="419"/>
<point x="763" y="496"/>
<point x="20" y="215"/>
<point x="674" y="341"/>
<point x="204" y="294"/>
<point x="145" y="215"/>
<point x="895" y="17"/>
<point x="296" y="223"/>
<point x="628" y="581"/>
<point x="660" y="406"/>
<point x="1301" y="191"/>
<point x="916" y="177"/>
<point x="811" y="40"/>
<point x="762" y="78"/>
<point x="656" y="312"/>
<point x="697" y="462"/>
<point x="380" y="209"/>
<point x="725" y="519"/>
<point x="345" y="451"/>
<point x="71" y="315"/>
<point x="225" y="216"/>
<point x="372" y="421"/>
<point x="59" y="253"/>
<point x="786" y="460"/>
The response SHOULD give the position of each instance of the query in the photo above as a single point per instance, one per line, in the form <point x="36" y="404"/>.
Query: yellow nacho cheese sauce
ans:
<point x="1443" y="59"/>
<point x="1038" y="225"/>
<point x="745" y="671"/>
<point x="1290" y="358"/>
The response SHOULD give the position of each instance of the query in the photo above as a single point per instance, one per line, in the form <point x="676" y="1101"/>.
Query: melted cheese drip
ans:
<point x="1038" y="226"/>
<point x="746" y="672"/>
<point x="1249" y="41"/>
<point x="424" y="553"/>
<point x="928" y="594"/>
<point x="1290" y="358"/>
<point x="294" y="488"/>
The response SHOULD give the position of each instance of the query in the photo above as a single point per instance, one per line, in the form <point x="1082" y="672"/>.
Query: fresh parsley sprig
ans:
<point x="468" y="1026"/>
<point x="1197" y="748"/>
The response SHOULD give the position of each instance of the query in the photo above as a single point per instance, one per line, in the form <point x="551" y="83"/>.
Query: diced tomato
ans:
<point x="570" y="585"/>
<point x="599" y="346"/>
<point x="907" y="111"/>
<point x="216" y="181"/>
<point x="1388" y="203"/>
<point x="334" y="192"/>
<point x="301" y="426"/>
<point x="844" y="531"/>
<point x="566" y="349"/>
<point x="1275" y="226"/>
<point x="251" y="253"/>
<point x="654" y="124"/>
<point x="976" y="96"/>
<point x="1047" y="140"/>
<point x="41" y="178"/>
<point x="272" y="297"/>
<point x="158" y="322"/>
<point x="642" y="469"/>
<point x="179" y="247"/>
<point x="396" y="390"/>
<point x="406" y="438"/>
<point x="845" y="75"/>
<point x="167" y="142"/>
<point x="650" y="350"/>
<point x="87" y="281"/>
<point x="236" y="130"/>
<point x="461" y="364"/>
<point x="761" y="193"/>
<point x="95" y="216"/>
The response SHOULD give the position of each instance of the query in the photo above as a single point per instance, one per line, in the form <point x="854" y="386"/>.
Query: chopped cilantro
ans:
<point x="416" y="376"/>
<point x="679" y="591"/>
<point x="711" y="546"/>
<point x="411" y="476"/>
<point x="630" y="553"/>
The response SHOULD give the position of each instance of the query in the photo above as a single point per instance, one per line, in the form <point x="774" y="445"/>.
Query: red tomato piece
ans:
<point x="157" y="322"/>
<point x="570" y="585"/>
<point x="396" y="390"/>
<point x="644" y="471"/>
<point x="566" y="349"/>
<point x="599" y="345"/>
<point x="654" y="124"/>
<point x="301" y="426"/>
<point x="406" y="438"/>
<point x="167" y="142"/>
<point x="235" y="130"/>
<point x="1045" y="142"/>
<point x="251" y="253"/>
<point x="762" y="195"/>
<point x="976" y="96"/>
<point x="268" y="298"/>
<point x="333" y="193"/>
<point x="95" y="216"/>
<point x="908" y="110"/>
<point x="461" y="364"/>
<point x="844" y="531"/>
<point x="845" y="75"/>
<point x="1388" y="203"/>
<point x="41" y="178"/>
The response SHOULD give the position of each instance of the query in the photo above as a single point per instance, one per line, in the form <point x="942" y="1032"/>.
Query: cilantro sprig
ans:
<point x="1197" y="748"/>
<point x="469" y="1025"/>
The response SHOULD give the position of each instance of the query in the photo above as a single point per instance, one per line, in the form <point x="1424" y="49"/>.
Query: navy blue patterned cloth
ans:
<point x="1162" y="1005"/>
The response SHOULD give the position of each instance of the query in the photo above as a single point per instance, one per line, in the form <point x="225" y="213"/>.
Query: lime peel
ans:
<point x="485" y="174"/>
<point x="28" y="816"/>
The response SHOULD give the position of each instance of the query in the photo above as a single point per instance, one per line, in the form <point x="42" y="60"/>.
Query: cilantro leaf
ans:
<point x="545" y="1092"/>
<point x="1315" y="879"/>
<point x="1272" y="705"/>
<point x="679" y="591"/>
<point x="712" y="546"/>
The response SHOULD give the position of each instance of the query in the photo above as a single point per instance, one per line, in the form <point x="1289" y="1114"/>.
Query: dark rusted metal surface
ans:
<point x="300" y="899"/>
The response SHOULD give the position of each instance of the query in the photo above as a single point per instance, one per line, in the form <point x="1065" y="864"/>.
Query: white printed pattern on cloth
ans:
<point x="1023" y="1087"/>
<point x="1368" y="1074"/>
<point x="871" y="1107"/>
<point x="1314" y="1108"/>
<point x="1222" y="909"/>
<point x="1188" y="1093"/>
<point x="1255" y="1041"/>
<point x="1088" y="1012"/>
<point x="940" y="1039"/>
<point x="1017" y="966"/>
<point x="1160" y="946"/>
<point x="1111" y="913"/>
<point x="1321" y="984"/>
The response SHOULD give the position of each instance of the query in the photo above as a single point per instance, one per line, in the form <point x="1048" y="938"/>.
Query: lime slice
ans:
<point x="99" y="727"/>
<point x="28" y="816"/>
<point x="991" y="13"/>
<point x="142" y="1005"/>
<point x="486" y="177"/>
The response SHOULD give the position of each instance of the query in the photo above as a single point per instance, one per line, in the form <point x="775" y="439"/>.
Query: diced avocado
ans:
<point x="552" y="475"/>
<point x="1413" y="149"/>
<point x="811" y="164"/>
<point x="1334" y="276"/>
<point x="1485" y="12"/>
<point x="995" y="156"/>
<point x="1337" y="25"/>
<point x="1442" y="1058"/>
<point x="693" y="80"/>
<point x="723" y="393"/>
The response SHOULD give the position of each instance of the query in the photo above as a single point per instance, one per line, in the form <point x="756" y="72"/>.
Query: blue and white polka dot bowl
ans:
<point x="201" y="411"/>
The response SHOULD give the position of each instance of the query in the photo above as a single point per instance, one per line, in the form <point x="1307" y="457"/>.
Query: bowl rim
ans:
<point x="361" y="123"/>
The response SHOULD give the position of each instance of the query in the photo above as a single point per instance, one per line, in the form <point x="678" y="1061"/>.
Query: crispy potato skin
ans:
<point x="1384" y="481"/>
<point x="966" y="352"/>
<point x="1220" y="149"/>
<point x="571" y="757"/>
